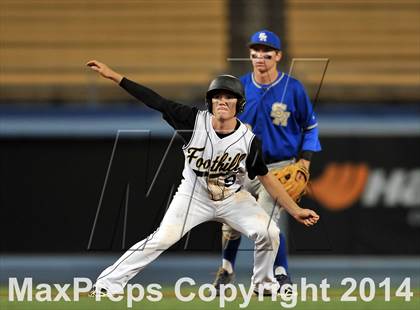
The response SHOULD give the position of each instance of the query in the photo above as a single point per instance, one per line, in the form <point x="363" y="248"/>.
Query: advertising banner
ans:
<point x="367" y="190"/>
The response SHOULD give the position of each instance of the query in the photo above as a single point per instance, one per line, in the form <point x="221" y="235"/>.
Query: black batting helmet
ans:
<point x="229" y="83"/>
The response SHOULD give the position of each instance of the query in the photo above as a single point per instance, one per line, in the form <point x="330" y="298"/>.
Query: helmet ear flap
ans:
<point x="240" y="105"/>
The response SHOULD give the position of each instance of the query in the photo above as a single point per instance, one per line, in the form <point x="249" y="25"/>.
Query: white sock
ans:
<point x="280" y="270"/>
<point x="227" y="266"/>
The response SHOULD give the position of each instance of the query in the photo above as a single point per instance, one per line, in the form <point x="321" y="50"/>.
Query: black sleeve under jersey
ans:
<point x="179" y="116"/>
<point x="255" y="162"/>
<point x="306" y="155"/>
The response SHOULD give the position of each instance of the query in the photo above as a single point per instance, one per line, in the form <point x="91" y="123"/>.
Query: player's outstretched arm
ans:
<point x="273" y="186"/>
<point x="104" y="71"/>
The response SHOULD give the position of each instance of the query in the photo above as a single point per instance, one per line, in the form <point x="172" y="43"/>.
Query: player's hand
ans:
<point x="104" y="70"/>
<point x="306" y="217"/>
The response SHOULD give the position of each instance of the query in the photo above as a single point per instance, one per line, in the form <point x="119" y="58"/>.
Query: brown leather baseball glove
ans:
<point x="288" y="176"/>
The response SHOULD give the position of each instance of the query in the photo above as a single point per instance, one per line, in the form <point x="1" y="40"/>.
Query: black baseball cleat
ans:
<point x="284" y="279"/>
<point x="223" y="277"/>
<point x="102" y="292"/>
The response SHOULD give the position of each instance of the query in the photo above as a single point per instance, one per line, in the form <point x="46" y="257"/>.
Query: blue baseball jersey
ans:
<point x="281" y="115"/>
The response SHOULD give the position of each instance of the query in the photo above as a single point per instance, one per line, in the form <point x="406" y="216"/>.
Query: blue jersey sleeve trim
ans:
<point x="312" y="126"/>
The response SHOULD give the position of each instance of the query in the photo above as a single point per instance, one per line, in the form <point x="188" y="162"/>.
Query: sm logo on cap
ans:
<point x="262" y="37"/>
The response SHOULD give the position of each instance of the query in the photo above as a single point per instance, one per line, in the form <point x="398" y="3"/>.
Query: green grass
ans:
<point x="170" y="302"/>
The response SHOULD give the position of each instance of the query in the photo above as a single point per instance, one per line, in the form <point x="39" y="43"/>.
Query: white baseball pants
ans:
<point x="239" y="211"/>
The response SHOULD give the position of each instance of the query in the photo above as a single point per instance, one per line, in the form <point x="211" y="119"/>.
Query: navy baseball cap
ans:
<point x="267" y="38"/>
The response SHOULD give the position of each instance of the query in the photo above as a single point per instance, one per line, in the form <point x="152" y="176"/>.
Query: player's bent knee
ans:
<point x="274" y="233"/>
<point x="270" y="234"/>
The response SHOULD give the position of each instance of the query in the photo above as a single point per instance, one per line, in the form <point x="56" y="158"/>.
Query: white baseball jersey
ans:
<point x="214" y="166"/>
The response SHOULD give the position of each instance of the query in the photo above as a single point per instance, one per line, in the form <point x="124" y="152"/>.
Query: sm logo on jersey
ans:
<point x="279" y="114"/>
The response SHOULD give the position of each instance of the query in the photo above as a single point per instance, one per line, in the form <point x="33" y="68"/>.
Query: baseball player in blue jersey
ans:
<point x="281" y="115"/>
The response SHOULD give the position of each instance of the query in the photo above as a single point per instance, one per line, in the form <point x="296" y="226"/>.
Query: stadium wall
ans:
<point x="57" y="173"/>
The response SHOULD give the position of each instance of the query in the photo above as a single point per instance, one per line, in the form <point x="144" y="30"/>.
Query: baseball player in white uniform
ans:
<point x="219" y="150"/>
